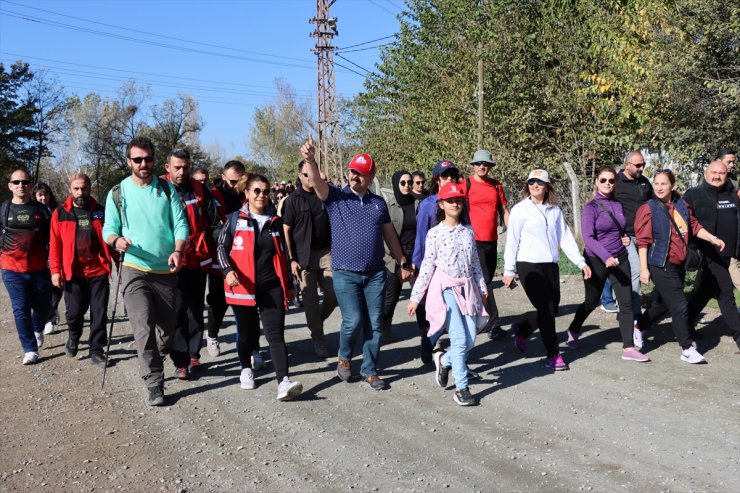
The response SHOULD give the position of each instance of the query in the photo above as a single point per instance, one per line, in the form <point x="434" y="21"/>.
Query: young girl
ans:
<point x="457" y="293"/>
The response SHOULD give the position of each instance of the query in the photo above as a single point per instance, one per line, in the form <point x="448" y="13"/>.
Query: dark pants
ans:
<point x="393" y="286"/>
<point x="714" y="281"/>
<point x="621" y="280"/>
<point x="541" y="283"/>
<point x="271" y="310"/>
<point x="56" y="297"/>
<point x="669" y="281"/>
<point x="30" y="297"/>
<point x="191" y="290"/>
<point x="81" y="293"/>
<point x="216" y="303"/>
<point x="487" y="255"/>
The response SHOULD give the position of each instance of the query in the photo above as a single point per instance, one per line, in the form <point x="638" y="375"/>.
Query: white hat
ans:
<point x="539" y="174"/>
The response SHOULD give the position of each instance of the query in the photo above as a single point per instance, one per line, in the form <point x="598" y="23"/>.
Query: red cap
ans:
<point x="451" y="191"/>
<point x="363" y="164"/>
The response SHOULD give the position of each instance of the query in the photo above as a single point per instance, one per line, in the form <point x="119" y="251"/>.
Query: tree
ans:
<point x="16" y="118"/>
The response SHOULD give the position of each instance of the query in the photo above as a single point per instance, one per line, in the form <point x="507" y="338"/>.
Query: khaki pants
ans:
<point x="735" y="272"/>
<point x="318" y="274"/>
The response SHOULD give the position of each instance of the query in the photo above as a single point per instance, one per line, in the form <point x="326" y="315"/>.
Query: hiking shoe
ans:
<point x="610" y="307"/>
<point x="442" y="375"/>
<point x="573" y="340"/>
<point x="496" y="333"/>
<point x="632" y="354"/>
<point x="246" y="379"/>
<point x="39" y="339"/>
<point x="321" y="349"/>
<point x="257" y="362"/>
<point x="49" y="328"/>
<point x="556" y="363"/>
<point x="464" y="397"/>
<point x="637" y="339"/>
<point x="97" y="359"/>
<point x="30" y="358"/>
<point x="288" y="389"/>
<point x="344" y="370"/>
<point x="212" y="345"/>
<point x="519" y="342"/>
<point x="181" y="373"/>
<point x="194" y="363"/>
<point x="691" y="355"/>
<point x="156" y="396"/>
<point x="374" y="382"/>
<point x="70" y="348"/>
<point x="473" y="375"/>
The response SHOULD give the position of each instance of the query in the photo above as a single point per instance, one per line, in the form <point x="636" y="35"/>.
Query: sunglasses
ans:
<point x="263" y="191"/>
<point x="233" y="182"/>
<point x="139" y="160"/>
<point x="419" y="182"/>
<point x="485" y="165"/>
<point x="535" y="181"/>
<point x="25" y="183"/>
<point x="403" y="183"/>
<point x="611" y="181"/>
<point x="451" y="176"/>
<point x="638" y="165"/>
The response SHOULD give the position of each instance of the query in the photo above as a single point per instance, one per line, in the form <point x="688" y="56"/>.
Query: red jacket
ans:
<point x="200" y="247"/>
<point x="62" y="254"/>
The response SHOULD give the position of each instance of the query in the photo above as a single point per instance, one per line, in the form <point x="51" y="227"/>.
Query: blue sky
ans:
<point x="226" y="53"/>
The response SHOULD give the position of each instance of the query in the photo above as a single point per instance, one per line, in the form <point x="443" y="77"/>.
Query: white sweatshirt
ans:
<point x="534" y="234"/>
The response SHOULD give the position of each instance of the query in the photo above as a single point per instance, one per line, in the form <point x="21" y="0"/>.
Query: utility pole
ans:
<point x="480" y="104"/>
<point x="329" y="153"/>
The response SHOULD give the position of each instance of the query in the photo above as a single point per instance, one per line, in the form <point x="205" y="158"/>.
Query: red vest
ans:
<point x="199" y="248"/>
<point x="242" y="261"/>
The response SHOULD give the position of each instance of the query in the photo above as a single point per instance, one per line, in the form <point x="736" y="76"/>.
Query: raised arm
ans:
<point x="312" y="170"/>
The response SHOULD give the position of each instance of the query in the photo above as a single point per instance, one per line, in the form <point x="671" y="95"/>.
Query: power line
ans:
<point x="353" y="63"/>
<point x="381" y="7"/>
<point x="364" y="49"/>
<point x="367" y="42"/>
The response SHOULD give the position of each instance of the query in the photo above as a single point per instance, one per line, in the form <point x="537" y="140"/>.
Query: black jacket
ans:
<point x="703" y="200"/>
<point x="632" y="194"/>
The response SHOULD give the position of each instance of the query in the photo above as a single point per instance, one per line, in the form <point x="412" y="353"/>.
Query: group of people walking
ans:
<point x="174" y="236"/>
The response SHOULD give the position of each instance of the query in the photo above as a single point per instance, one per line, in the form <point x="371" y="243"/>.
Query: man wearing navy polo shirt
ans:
<point x="359" y="224"/>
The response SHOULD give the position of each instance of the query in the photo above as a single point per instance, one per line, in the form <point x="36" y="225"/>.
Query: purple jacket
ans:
<point x="600" y="234"/>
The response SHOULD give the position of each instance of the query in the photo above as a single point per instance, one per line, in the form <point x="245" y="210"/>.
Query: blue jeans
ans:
<point x="607" y="296"/>
<point x="461" y="330"/>
<point x="30" y="296"/>
<point x="360" y="296"/>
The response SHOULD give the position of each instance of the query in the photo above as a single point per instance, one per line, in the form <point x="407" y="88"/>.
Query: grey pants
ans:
<point x="318" y="274"/>
<point x="150" y="303"/>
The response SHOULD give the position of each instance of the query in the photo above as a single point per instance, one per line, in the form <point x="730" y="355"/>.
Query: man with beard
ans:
<point x="200" y="210"/>
<point x="144" y="220"/>
<point x="80" y="263"/>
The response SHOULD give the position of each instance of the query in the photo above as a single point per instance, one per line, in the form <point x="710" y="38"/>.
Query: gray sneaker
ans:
<point x="156" y="396"/>
<point x="344" y="369"/>
<point x="464" y="398"/>
<point x="374" y="382"/>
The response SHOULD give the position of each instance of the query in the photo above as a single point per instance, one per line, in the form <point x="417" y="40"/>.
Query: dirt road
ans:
<point x="605" y="425"/>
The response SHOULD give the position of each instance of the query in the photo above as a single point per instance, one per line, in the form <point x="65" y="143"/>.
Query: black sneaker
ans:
<point x="97" y="359"/>
<point x="442" y="375"/>
<point x="156" y="396"/>
<point x="70" y="348"/>
<point x="464" y="397"/>
<point x="496" y="333"/>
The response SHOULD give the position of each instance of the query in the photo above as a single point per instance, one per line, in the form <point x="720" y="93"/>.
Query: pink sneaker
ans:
<point x="519" y="341"/>
<point x="573" y="340"/>
<point x="556" y="363"/>
<point x="632" y="354"/>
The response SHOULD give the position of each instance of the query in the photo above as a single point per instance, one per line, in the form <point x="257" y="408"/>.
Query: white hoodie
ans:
<point x="534" y="234"/>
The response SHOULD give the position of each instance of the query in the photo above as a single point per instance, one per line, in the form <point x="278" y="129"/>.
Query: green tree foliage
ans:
<point x="16" y="118"/>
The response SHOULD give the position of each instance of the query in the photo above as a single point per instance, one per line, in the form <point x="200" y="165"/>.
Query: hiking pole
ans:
<point x="113" y="317"/>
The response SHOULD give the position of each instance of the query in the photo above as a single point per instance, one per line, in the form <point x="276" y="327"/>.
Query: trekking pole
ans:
<point x="113" y="317"/>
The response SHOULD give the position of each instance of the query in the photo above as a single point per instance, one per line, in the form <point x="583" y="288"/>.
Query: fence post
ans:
<point x="574" y="199"/>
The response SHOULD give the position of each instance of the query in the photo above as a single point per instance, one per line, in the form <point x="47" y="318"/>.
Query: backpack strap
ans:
<point x="4" y="214"/>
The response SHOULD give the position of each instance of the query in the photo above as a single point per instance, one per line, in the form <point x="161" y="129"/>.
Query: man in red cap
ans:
<point x="359" y="224"/>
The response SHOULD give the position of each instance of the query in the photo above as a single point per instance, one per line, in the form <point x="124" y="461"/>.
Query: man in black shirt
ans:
<point x="308" y="237"/>
<point x="715" y="205"/>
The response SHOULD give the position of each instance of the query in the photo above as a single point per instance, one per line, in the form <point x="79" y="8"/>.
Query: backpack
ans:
<point x="118" y="198"/>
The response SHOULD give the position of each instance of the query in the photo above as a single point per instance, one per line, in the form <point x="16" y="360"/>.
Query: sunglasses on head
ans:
<point x="263" y="191"/>
<point x="611" y="181"/>
<point x="403" y="183"/>
<point x="138" y="160"/>
<point x="535" y="181"/>
<point x="21" y="182"/>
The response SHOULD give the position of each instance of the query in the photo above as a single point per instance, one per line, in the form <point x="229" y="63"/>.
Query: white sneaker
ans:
<point x="246" y="379"/>
<point x="49" y="328"/>
<point x="257" y="362"/>
<point x="39" y="339"/>
<point x="288" y="389"/>
<point x="213" y="348"/>
<point x="30" y="358"/>
<point x="637" y="337"/>
<point x="691" y="355"/>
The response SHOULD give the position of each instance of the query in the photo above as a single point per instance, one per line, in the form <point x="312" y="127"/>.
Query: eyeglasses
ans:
<point x="25" y="183"/>
<point x="138" y="160"/>
<point x="638" y="165"/>
<point x="535" y="181"/>
<point x="611" y="181"/>
<point x="403" y="183"/>
<point x="263" y="191"/>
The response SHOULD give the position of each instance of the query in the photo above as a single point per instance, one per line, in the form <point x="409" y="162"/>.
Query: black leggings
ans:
<point x="541" y="283"/>
<point x="620" y="277"/>
<point x="669" y="282"/>
<point x="271" y="310"/>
